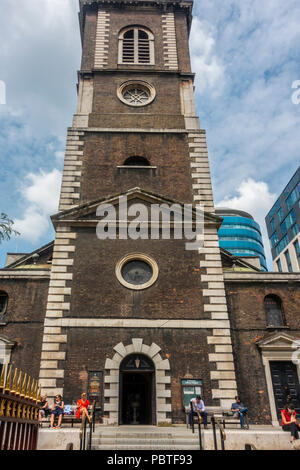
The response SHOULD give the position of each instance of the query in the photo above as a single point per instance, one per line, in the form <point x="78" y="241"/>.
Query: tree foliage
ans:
<point x="6" y="228"/>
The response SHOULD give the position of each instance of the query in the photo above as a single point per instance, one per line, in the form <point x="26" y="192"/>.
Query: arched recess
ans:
<point x="112" y="379"/>
<point x="274" y="312"/>
<point x="136" y="161"/>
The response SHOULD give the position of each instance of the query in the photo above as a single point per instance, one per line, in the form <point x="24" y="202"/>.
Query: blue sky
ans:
<point x="246" y="55"/>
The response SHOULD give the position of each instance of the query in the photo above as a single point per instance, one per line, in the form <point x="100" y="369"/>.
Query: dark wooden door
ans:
<point x="285" y="385"/>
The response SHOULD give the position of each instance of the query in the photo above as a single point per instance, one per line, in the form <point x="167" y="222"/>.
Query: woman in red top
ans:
<point x="82" y="407"/>
<point x="289" y="422"/>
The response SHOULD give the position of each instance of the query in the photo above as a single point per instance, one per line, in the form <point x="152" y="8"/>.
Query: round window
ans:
<point x="136" y="93"/>
<point x="137" y="271"/>
<point x="136" y="96"/>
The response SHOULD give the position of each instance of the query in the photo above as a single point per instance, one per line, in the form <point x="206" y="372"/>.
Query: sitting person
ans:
<point x="239" y="409"/>
<point x="197" y="404"/>
<point x="82" y="408"/>
<point x="44" y="411"/>
<point x="289" y="422"/>
<point x="57" y="411"/>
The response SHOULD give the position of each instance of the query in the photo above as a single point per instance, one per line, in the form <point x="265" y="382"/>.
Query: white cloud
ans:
<point x="253" y="126"/>
<point x="209" y="69"/>
<point x="41" y="197"/>
<point x="39" y="55"/>
<point x="255" y="198"/>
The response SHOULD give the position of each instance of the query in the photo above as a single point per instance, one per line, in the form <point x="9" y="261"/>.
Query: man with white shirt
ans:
<point x="197" y="404"/>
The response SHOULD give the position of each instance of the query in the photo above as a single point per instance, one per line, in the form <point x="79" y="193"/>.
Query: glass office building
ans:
<point x="240" y="235"/>
<point x="283" y="223"/>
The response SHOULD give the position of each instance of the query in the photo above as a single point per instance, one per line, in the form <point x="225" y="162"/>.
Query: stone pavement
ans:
<point x="165" y="438"/>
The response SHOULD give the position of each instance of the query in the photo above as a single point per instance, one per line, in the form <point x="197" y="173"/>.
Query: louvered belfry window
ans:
<point x="136" y="47"/>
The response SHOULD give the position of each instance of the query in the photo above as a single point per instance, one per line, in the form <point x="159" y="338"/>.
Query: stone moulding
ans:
<point x="112" y="377"/>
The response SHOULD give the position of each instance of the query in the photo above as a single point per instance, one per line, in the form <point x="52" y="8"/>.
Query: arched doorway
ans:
<point x="137" y="391"/>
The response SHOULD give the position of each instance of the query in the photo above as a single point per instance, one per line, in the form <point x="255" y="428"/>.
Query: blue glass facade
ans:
<point x="283" y="220"/>
<point x="240" y="235"/>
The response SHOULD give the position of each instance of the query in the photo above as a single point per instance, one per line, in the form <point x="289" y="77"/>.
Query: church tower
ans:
<point x="138" y="323"/>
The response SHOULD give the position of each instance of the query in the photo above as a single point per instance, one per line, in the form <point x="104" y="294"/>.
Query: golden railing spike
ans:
<point x="2" y="378"/>
<point x="14" y="384"/>
<point x="32" y="390"/>
<point x="27" y="393"/>
<point x="8" y="380"/>
<point x="23" y="392"/>
<point x="36" y="391"/>
<point x="19" y="386"/>
<point x="39" y="394"/>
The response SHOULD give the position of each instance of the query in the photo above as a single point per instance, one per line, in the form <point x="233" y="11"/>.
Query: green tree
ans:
<point x="6" y="230"/>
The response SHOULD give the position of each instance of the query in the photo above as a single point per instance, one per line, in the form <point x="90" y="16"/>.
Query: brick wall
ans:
<point x="248" y="324"/>
<point x="97" y="292"/>
<point x="185" y="349"/>
<point x="24" y="321"/>
<point x="104" y="152"/>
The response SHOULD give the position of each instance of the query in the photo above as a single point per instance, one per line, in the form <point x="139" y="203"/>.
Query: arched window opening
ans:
<point x="273" y="308"/>
<point x="136" y="46"/>
<point x="136" y="161"/>
<point x="3" y="303"/>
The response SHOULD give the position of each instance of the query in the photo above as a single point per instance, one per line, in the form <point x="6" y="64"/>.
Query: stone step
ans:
<point x="145" y="437"/>
<point x="125" y="441"/>
<point x="146" y="447"/>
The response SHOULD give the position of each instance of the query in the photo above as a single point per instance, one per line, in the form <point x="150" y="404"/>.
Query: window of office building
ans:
<point x="295" y="230"/>
<point x="274" y="239"/>
<point x="295" y="194"/>
<point x="280" y="214"/>
<point x="279" y="265"/>
<point x="288" y="221"/>
<point x="281" y="245"/>
<point x="297" y="250"/>
<point x="288" y="261"/>
<point x="272" y="224"/>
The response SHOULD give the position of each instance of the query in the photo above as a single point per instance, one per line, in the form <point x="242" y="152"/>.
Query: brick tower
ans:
<point x="138" y="318"/>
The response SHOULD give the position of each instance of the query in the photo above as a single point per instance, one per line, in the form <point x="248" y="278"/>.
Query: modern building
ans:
<point x="240" y="235"/>
<point x="142" y="324"/>
<point x="283" y="225"/>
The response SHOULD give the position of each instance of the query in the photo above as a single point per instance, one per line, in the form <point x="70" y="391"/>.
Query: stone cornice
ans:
<point x="262" y="277"/>
<point x="24" y="274"/>
<point x="166" y="5"/>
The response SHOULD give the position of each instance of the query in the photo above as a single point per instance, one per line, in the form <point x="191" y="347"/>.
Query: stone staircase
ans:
<point x="144" y="438"/>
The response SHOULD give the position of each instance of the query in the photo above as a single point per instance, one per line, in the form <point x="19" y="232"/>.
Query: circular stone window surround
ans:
<point x="137" y="257"/>
<point x="137" y="84"/>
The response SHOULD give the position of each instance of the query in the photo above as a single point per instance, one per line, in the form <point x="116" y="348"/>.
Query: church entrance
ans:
<point x="137" y="391"/>
<point x="285" y="385"/>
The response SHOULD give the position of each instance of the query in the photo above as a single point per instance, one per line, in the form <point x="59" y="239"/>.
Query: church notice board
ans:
<point x="190" y="388"/>
<point x="95" y="387"/>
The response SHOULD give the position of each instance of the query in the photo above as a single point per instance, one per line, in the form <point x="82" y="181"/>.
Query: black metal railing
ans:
<point x="200" y="421"/>
<point x="86" y="431"/>
<point x="217" y="425"/>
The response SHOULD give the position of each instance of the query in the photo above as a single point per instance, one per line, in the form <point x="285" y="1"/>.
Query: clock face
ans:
<point x="137" y="272"/>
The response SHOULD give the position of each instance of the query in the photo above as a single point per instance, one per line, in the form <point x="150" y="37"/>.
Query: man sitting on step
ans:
<point x="240" y="410"/>
<point x="197" y="404"/>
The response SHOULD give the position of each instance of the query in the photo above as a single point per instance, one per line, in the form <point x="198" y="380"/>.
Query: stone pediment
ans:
<point x="86" y="213"/>
<point x="278" y="341"/>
